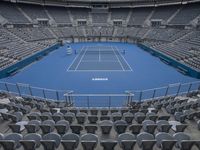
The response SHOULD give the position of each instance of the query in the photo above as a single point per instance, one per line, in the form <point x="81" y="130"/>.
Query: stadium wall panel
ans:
<point x="183" y="68"/>
<point x="26" y="61"/>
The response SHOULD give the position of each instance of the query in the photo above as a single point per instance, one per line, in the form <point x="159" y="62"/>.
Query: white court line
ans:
<point x="75" y="59"/>
<point x="81" y="58"/>
<point x="118" y="59"/>
<point x="100" y="70"/>
<point x="125" y="60"/>
<point x="98" y="61"/>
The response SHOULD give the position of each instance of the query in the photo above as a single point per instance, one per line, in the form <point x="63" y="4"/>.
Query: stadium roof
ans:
<point x="132" y="2"/>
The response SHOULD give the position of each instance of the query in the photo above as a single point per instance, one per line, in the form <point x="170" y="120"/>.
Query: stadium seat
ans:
<point x="183" y="141"/>
<point x="76" y="128"/>
<point x="51" y="141"/>
<point x="89" y="141"/>
<point x="106" y="126"/>
<point x="146" y="141"/>
<point x="165" y="141"/>
<point x="127" y="141"/>
<point x="11" y="141"/>
<point x="120" y="126"/>
<point x="149" y="126"/>
<point x="70" y="141"/>
<point x="47" y="126"/>
<point x="62" y="126"/>
<point x="32" y="126"/>
<point x="108" y="144"/>
<point x="31" y="141"/>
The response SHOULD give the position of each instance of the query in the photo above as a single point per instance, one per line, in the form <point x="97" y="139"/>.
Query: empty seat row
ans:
<point x="70" y="141"/>
<point x="120" y="126"/>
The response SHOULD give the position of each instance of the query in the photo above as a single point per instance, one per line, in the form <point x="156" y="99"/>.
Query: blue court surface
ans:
<point x="99" y="68"/>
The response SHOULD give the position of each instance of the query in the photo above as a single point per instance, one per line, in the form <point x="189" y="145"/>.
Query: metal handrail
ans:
<point x="22" y="89"/>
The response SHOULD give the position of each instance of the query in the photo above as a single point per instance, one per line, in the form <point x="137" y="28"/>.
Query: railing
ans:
<point x="98" y="100"/>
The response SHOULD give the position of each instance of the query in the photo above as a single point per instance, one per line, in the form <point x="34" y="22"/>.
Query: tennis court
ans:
<point x="100" y="58"/>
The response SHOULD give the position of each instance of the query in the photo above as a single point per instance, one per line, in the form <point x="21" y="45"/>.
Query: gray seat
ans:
<point x="31" y="141"/>
<point x="89" y="141"/>
<point x="116" y="116"/>
<point x="64" y="110"/>
<point x="165" y="141"/>
<point x="146" y="141"/>
<point x="39" y="105"/>
<point x="114" y="110"/>
<point x="104" y="117"/>
<point x="73" y="110"/>
<point x="70" y="141"/>
<point x="189" y="114"/>
<point x="32" y="126"/>
<point x="106" y="126"/>
<point x="157" y="105"/>
<point x="104" y="111"/>
<point x="181" y="127"/>
<point x="69" y="116"/>
<point x="76" y="128"/>
<point x="1" y="136"/>
<point x="81" y="117"/>
<point x="34" y="116"/>
<point x="91" y="128"/>
<point x="184" y="141"/>
<point x="62" y="126"/>
<point x="53" y="110"/>
<point x="17" y="107"/>
<point x="94" y="111"/>
<point x="124" y="110"/>
<point x="45" y="116"/>
<point x="51" y="141"/>
<point x="197" y="143"/>
<point x="128" y="117"/>
<point x="126" y="141"/>
<point x="15" y="128"/>
<point x="139" y="117"/>
<point x="93" y="119"/>
<point x="170" y="109"/>
<point x="149" y="126"/>
<point x="108" y="144"/>
<point x="11" y="141"/>
<point x="135" y="128"/>
<point x="152" y="116"/>
<point x="5" y="116"/>
<point x="57" y="117"/>
<point x="16" y="117"/>
<point x="26" y="109"/>
<point x="120" y="126"/>
<point x="179" y="116"/>
<point x="47" y="126"/>
<point x="164" y="117"/>
<point x="198" y="124"/>
<point x="84" y="110"/>
<point x="163" y="126"/>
